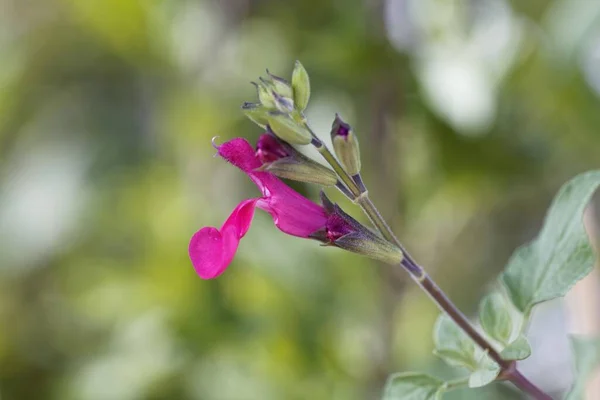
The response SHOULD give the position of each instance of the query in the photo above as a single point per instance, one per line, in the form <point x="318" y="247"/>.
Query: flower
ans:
<point x="211" y="250"/>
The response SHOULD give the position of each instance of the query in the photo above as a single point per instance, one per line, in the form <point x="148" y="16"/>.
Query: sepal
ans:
<point x="302" y="170"/>
<point x="287" y="129"/>
<point x="344" y="232"/>
<point x="256" y="113"/>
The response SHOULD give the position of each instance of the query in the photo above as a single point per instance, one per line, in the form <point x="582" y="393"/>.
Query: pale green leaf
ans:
<point x="413" y="386"/>
<point x="519" y="349"/>
<point x="586" y="352"/>
<point x="486" y="372"/>
<point x="561" y="255"/>
<point x="495" y="317"/>
<point x="453" y="345"/>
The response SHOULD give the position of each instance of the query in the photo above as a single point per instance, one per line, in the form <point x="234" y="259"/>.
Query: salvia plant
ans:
<point x="487" y="352"/>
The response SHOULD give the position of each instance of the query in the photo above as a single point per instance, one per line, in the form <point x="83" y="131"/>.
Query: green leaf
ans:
<point x="486" y="372"/>
<point x="453" y="345"/>
<point x="495" y="317"/>
<point x="586" y="352"/>
<point x="517" y="350"/>
<point x="561" y="254"/>
<point x="413" y="386"/>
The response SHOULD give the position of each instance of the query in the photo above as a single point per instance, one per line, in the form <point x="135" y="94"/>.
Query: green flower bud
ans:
<point x="265" y="95"/>
<point x="302" y="170"/>
<point x="283" y="104"/>
<point x="281" y="86"/>
<point x="257" y="113"/>
<point x="345" y="145"/>
<point x="300" y="86"/>
<point x="287" y="129"/>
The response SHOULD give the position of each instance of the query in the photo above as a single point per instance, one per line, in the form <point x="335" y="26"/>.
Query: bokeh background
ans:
<point x="471" y="114"/>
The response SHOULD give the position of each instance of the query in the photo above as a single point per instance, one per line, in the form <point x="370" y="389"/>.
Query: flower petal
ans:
<point x="240" y="153"/>
<point x="292" y="213"/>
<point x="211" y="250"/>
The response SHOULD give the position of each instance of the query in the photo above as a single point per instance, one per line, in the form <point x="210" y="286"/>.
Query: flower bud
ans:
<point x="280" y="93"/>
<point x="345" y="145"/>
<point x="300" y="86"/>
<point x="343" y="231"/>
<point x="257" y="113"/>
<point x="287" y="129"/>
<point x="283" y="104"/>
<point x="265" y="95"/>
<point x="281" y="86"/>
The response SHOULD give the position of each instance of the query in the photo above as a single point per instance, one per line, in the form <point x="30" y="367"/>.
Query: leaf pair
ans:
<point x="458" y="350"/>
<point x="542" y="270"/>
<point x="418" y="386"/>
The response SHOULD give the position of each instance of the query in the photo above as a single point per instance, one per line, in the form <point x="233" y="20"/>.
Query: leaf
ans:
<point x="453" y="345"/>
<point x="413" y="386"/>
<point x="495" y="317"/>
<point x="517" y="350"/>
<point x="486" y="372"/>
<point x="586" y="352"/>
<point x="561" y="255"/>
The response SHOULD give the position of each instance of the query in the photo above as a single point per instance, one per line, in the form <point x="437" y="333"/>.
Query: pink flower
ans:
<point x="211" y="250"/>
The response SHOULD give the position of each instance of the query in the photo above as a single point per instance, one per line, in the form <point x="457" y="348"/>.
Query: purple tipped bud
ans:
<point x="345" y="145"/>
<point x="340" y="128"/>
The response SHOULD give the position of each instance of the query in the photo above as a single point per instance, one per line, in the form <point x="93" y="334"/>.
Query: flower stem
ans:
<point x="337" y="167"/>
<point x="526" y="386"/>
<point x="360" y="196"/>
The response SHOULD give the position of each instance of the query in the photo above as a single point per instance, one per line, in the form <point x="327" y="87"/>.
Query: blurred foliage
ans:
<point x="470" y="113"/>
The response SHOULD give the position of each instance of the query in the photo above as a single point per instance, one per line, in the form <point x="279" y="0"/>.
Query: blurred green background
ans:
<point x="471" y="114"/>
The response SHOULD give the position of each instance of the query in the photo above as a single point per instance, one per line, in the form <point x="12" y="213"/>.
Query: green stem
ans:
<point x="337" y="167"/>
<point x="360" y="196"/>
<point x="364" y="201"/>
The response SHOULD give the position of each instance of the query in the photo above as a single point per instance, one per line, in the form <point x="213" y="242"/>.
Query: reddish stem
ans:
<point x="517" y="378"/>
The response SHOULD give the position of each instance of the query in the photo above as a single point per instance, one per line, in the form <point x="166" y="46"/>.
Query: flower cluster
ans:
<point x="211" y="250"/>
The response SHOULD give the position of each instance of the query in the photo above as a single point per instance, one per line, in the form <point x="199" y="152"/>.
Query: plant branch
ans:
<point x="360" y="196"/>
<point x="525" y="385"/>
